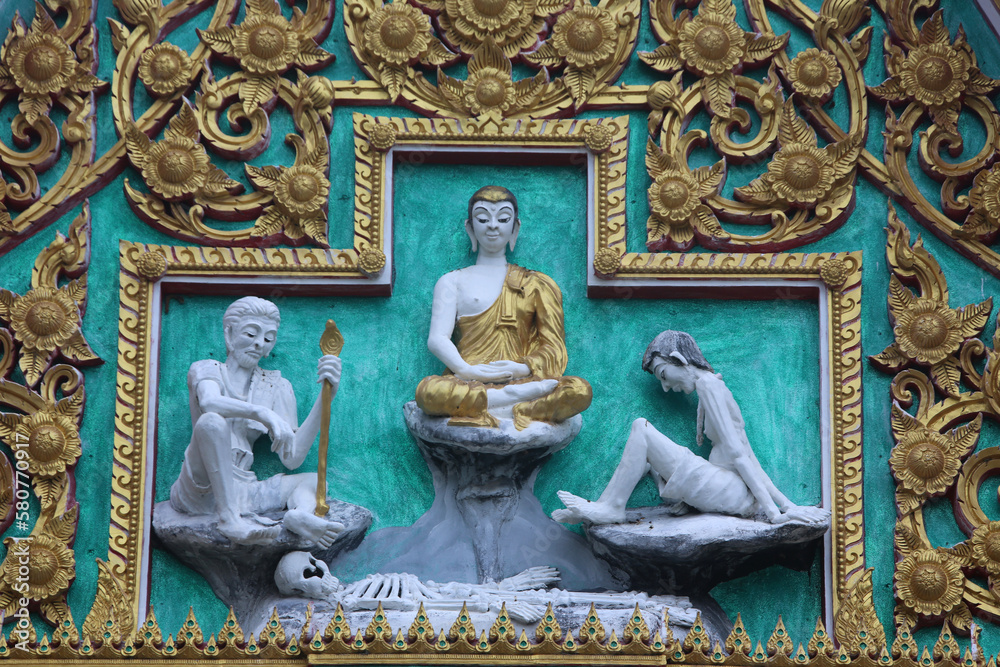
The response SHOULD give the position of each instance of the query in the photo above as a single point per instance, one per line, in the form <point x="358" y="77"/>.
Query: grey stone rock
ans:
<point x="690" y="554"/>
<point x="485" y="523"/>
<point x="242" y="576"/>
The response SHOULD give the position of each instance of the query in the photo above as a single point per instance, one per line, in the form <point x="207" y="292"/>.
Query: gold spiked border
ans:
<point x="463" y="643"/>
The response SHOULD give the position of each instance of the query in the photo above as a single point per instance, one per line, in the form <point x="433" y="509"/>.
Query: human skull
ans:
<point x="300" y="574"/>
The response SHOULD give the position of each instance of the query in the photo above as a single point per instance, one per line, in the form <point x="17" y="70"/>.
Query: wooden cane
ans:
<point x="331" y="342"/>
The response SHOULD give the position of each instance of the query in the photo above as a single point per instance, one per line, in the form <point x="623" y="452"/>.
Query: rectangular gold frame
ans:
<point x="146" y="270"/>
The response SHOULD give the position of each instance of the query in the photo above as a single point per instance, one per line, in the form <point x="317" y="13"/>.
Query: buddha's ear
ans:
<point x="472" y="236"/>
<point x="513" y="236"/>
<point x="680" y="357"/>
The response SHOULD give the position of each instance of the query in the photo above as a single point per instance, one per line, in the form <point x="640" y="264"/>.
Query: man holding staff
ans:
<point x="232" y="405"/>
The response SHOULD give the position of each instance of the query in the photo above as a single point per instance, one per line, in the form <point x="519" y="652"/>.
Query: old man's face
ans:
<point x="251" y="339"/>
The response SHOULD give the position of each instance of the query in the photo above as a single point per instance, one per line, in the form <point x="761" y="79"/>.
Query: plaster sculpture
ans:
<point x="511" y="356"/>
<point x="731" y="481"/>
<point x="232" y="405"/>
<point x="525" y="596"/>
<point x="486" y="428"/>
<point x="221" y="520"/>
<point x="723" y="517"/>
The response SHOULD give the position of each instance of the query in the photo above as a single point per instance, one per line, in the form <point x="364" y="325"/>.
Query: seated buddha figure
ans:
<point x="510" y="355"/>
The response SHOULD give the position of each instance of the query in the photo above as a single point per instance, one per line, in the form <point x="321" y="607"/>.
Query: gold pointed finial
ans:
<point x="332" y="341"/>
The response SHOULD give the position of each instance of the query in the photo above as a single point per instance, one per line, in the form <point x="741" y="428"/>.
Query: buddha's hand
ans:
<point x="496" y="372"/>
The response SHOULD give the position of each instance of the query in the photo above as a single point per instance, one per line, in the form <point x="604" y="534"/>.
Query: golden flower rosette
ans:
<point x="39" y="65"/>
<point x="513" y="25"/>
<point x="936" y="73"/>
<point x="489" y="88"/>
<point x="928" y="332"/>
<point x="926" y="462"/>
<point x="299" y="195"/>
<point x="985" y="543"/>
<point x="714" y="47"/>
<point x="814" y="74"/>
<point x="929" y="582"/>
<point x="585" y="39"/>
<point x="678" y="212"/>
<point x="164" y="69"/>
<point x="265" y="45"/>
<point x="801" y="175"/>
<point x="983" y="220"/>
<point x="46" y="322"/>
<point x="396" y="36"/>
<point x="177" y="168"/>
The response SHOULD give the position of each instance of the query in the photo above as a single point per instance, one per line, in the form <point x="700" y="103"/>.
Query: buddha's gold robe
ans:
<point x="524" y="324"/>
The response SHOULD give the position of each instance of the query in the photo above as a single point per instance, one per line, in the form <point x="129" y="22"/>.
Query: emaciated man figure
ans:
<point x="730" y="482"/>
<point x="232" y="405"/>
<point x="511" y="352"/>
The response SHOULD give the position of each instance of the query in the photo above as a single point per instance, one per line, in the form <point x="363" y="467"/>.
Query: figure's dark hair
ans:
<point x="674" y="341"/>
<point x="493" y="194"/>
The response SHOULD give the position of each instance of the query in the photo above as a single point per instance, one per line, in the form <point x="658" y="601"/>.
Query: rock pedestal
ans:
<point x="242" y="576"/>
<point x="691" y="553"/>
<point x="485" y="523"/>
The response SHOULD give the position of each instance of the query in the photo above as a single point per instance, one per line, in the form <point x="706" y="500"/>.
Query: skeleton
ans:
<point x="525" y="594"/>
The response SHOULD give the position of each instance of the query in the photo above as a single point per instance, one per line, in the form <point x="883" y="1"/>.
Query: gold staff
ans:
<point x="331" y="342"/>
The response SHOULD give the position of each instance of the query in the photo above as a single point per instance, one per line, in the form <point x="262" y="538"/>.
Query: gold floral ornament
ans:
<point x="928" y="332"/>
<point x="151" y="265"/>
<point x="489" y="88"/>
<point x="929" y="582"/>
<point x="178" y="168"/>
<point x="714" y="47"/>
<point x="607" y="262"/>
<point x="316" y="92"/>
<point x="299" y="192"/>
<point x="371" y="261"/>
<point x="382" y="136"/>
<point x="924" y="461"/>
<point x="164" y="69"/>
<point x="814" y="74"/>
<point x="513" y="25"/>
<point x="51" y="566"/>
<point x="51" y="434"/>
<point x="40" y="66"/>
<point x="6" y="224"/>
<point x="265" y="45"/>
<point x="399" y="35"/>
<point x="46" y="322"/>
<point x="834" y="272"/>
<point x="802" y="175"/>
<point x="986" y="547"/>
<point x="677" y="202"/>
<point x="983" y="221"/>
<point x="584" y="39"/>
<point x="936" y="73"/>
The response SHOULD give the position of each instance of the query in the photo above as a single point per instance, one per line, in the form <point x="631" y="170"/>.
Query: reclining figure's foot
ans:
<point x="247" y="530"/>
<point x="319" y="529"/>
<point x="579" y="509"/>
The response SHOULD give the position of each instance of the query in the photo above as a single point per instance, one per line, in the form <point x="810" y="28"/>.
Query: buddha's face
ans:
<point x="250" y="339"/>
<point x="493" y="225"/>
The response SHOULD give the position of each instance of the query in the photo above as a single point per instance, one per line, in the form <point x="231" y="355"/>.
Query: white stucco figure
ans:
<point x="525" y="595"/>
<point x="730" y="482"/>
<point x="233" y="403"/>
<point x="511" y="354"/>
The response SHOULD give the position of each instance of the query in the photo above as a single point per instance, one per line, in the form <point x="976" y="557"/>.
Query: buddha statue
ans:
<point x="509" y="360"/>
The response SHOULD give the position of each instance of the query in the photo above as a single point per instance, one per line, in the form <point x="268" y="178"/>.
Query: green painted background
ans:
<point x="767" y="351"/>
